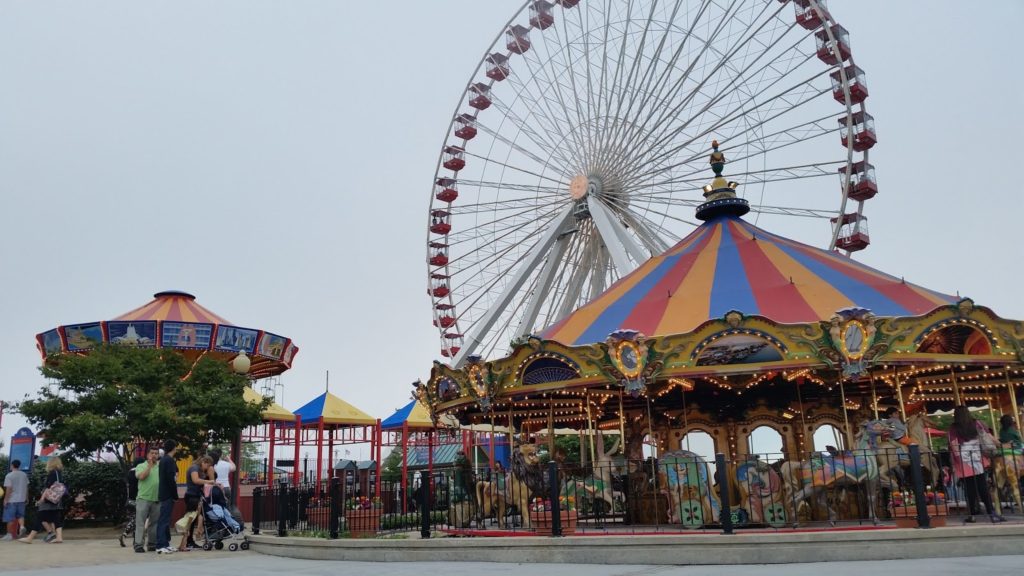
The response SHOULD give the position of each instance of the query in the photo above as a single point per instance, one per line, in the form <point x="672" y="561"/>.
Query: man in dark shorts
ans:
<point x="168" y="493"/>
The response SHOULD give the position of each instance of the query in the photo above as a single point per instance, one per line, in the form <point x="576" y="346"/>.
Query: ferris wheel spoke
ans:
<point x="516" y="168"/>
<point x="530" y="261"/>
<point x="577" y="279"/>
<point x="620" y="245"/>
<point x="669" y="113"/>
<point x="791" y="98"/>
<point x="512" y="144"/>
<point x="534" y="202"/>
<point x="781" y="174"/>
<point x="781" y="65"/>
<point x="509" y="225"/>
<point x="648" y="237"/>
<point x="756" y="208"/>
<point x="547" y="141"/>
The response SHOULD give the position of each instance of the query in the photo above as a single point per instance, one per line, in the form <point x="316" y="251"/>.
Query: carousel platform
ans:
<point x="670" y="549"/>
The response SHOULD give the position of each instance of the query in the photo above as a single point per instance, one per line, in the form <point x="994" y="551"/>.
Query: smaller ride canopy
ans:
<point x="174" y="319"/>
<point x="328" y="417"/>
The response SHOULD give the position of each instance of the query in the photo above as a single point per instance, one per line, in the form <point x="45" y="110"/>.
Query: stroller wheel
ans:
<point x="233" y="547"/>
<point x="245" y="545"/>
<point x="218" y="545"/>
<point x="207" y="546"/>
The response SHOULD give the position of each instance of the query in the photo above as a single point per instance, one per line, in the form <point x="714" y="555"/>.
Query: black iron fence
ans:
<point x="675" y="492"/>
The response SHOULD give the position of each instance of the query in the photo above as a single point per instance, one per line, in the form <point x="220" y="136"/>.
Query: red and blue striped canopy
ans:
<point x="728" y="264"/>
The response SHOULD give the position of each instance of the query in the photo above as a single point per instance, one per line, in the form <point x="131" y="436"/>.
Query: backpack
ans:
<point x="55" y="493"/>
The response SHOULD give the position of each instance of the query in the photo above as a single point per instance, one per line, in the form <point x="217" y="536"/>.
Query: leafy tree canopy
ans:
<point x="118" y="395"/>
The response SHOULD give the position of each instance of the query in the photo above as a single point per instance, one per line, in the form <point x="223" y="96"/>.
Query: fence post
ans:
<point x="282" y="510"/>
<point x="923" y="520"/>
<point x="556" y="504"/>
<point x="424" y="505"/>
<point x="257" y="509"/>
<point x="722" y="475"/>
<point x="335" y="495"/>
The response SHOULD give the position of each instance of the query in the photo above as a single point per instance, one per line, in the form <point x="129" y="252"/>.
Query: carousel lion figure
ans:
<point x="516" y="488"/>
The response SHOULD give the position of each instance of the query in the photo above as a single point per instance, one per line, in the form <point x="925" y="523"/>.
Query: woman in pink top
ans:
<point x="969" y="463"/>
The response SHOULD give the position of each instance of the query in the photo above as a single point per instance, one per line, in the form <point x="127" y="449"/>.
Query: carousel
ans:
<point x="730" y="330"/>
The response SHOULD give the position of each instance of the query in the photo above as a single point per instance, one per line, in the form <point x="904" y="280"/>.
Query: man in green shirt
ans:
<point x="147" y="503"/>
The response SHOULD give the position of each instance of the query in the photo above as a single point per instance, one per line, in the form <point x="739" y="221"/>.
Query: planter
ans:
<point x="541" y="522"/>
<point x="362" y="523"/>
<point x="906" y="516"/>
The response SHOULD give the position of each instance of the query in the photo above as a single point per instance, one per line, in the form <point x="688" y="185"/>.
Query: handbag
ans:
<point x="55" y="493"/>
<point x="989" y="446"/>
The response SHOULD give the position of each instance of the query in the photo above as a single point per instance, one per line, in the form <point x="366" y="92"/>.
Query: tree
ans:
<point x="391" y="468"/>
<point x="117" y="396"/>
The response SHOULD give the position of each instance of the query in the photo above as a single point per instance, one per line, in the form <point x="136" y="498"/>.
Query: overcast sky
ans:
<point x="275" y="160"/>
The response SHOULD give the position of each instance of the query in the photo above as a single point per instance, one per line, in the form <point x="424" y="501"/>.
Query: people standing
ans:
<point x="15" y="496"/>
<point x="147" y="500"/>
<point x="223" y="467"/>
<point x="970" y="463"/>
<point x="1008" y="433"/>
<point x="199" y="475"/>
<point x="167" y="492"/>
<point x="50" y="514"/>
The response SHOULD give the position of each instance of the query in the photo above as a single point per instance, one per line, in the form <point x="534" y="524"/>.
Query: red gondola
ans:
<point x="445" y="190"/>
<point x="497" y="67"/>
<point x="517" y="39"/>
<point x="440" y="222"/>
<point x="450" y="352"/>
<point x="825" y="52"/>
<point x="453" y="158"/>
<point x="858" y="85"/>
<point x="853" y="233"/>
<point x="443" y="306"/>
<point x="863" y="130"/>
<point x="480" y="96"/>
<point x="445" y="321"/>
<point x="438" y="259"/>
<point x="540" y="14"/>
<point x="807" y="16"/>
<point x="465" y="126"/>
<point x="452" y="335"/>
<point x="863" y="185"/>
<point x="568" y="3"/>
<point x="439" y="285"/>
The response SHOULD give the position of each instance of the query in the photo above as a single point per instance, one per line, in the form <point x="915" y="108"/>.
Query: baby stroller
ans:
<point x="218" y="524"/>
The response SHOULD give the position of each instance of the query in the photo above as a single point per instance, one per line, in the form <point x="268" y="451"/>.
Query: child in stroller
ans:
<point x="219" y="524"/>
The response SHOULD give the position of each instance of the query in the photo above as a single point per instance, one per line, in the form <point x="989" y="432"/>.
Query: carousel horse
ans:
<point x="824" y="472"/>
<point x="761" y="491"/>
<point x="1007" y="470"/>
<point x="889" y="444"/>
<point x="917" y="430"/>
<point x="687" y="477"/>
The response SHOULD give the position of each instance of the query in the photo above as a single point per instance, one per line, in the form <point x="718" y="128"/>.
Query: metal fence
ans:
<point x="676" y="492"/>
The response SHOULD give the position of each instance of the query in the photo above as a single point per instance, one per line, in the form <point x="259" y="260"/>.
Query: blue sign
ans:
<point x="23" y="447"/>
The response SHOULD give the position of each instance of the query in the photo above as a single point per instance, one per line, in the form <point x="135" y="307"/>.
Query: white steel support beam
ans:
<point x="597" y="278"/>
<point x="533" y="258"/>
<point x="616" y="238"/>
<point x="542" y="291"/>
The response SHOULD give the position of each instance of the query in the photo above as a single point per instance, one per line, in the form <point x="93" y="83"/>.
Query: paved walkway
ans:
<point x="100" y="558"/>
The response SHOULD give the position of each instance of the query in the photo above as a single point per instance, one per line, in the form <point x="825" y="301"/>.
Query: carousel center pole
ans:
<point x="874" y="398"/>
<point x="590" y="431"/>
<point x="846" y="417"/>
<point x="956" y="386"/>
<point x="899" y="392"/>
<point x="1013" y="398"/>
<point x="622" y="426"/>
<point x="803" y="422"/>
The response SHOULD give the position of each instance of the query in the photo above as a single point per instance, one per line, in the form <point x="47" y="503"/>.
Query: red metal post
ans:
<point x="270" y="456"/>
<point x="319" y="453"/>
<point x="298" y="442"/>
<point x="405" y="466"/>
<point x="330" y="453"/>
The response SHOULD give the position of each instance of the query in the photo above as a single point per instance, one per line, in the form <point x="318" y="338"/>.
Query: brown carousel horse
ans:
<point x="517" y="488"/>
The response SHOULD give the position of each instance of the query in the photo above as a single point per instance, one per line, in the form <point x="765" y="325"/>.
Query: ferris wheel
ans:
<point x="579" y="148"/>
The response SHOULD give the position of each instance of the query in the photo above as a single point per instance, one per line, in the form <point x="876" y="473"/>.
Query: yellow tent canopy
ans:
<point x="273" y="412"/>
<point x="334" y="410"/>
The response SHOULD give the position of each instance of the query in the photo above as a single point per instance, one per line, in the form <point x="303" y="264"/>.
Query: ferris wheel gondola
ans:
<point x="580" y="145"/>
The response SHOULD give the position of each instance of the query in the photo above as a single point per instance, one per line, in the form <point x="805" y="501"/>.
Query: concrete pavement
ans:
<point x="211" y="564"/>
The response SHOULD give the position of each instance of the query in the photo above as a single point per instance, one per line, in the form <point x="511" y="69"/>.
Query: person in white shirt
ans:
<point x="223" y="466"/>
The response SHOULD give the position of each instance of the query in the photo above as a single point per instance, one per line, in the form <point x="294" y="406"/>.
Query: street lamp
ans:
<point x="241" y="363"/>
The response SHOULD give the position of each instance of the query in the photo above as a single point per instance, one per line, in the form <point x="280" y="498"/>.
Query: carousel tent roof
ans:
<point x="728" y="264"/>
<point x="334" y="410"/>
<point x="415" y="414"/>
<point x="174" y="306"/>
<point x="273" y="412"/>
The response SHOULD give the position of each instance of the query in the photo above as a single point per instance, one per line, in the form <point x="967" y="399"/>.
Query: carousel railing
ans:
<point x="678" y="491"/>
